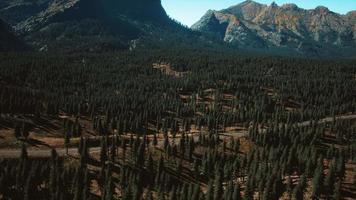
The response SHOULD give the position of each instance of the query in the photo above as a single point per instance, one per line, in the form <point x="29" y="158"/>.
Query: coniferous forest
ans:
<point x="163" y="124"/>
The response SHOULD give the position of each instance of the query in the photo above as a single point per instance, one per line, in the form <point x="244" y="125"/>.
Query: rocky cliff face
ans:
<point x="83" y="24"/>
<point x="286" y="28"/>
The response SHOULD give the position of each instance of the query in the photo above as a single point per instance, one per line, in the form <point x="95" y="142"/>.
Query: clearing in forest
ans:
<point x="167" y="69"/>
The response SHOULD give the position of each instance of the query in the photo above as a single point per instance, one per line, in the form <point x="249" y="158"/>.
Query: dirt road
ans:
<point x="329" y="119"/>
<point x="45" y="153"/>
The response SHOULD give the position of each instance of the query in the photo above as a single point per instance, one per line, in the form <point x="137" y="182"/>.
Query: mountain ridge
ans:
<point x="86" y="24"/>
<point x="315" y="32"/>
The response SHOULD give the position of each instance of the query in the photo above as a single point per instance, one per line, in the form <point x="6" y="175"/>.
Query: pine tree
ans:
<point x="86" y="185"/>
<point x="150" y="169"/>
<point x="184" y="192"/>
<point x="24" y="154"/>
<point x="109" y="190"/>
<point x="160" y="170"/>
<point x="236" y="195"/>
<point x="149" y="195"/>
<point x="196" y="192"/>
<point x="155" y="141"/>
<point x="237" y="146"/>
<point x="298" y="191"/>
<point x="141" y="154"/>
<point x="53" y="174"/>
<point x="317" y="181"/>
<point x="78" y="185"/>
<point x="191" y="148"/>
<point x="340" y="166"/>
<point x="25" y="131"/>
<point x="160" y="165"/>
<point x="28" y="189"/>
<point x="289" y="186"/>
<point x="172" y="194"/>
<point x="337" y="190"/>
<point x="103" y="150"/>
<point x="248" y="190"/>
<point x="330" y="179"/>
<point x="17" y="130"/>
<point x="210" y="192"/>
<point x="166" y="143"/>
<point x="218" y="188"/>
<point x="67" y="140"/>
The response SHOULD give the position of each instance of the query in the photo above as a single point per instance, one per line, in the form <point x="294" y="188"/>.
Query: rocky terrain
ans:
<point x="111" y="25"/>
<point x="318" y="32"/>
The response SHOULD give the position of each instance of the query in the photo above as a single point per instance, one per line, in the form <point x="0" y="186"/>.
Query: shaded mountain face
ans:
<point x="8" y="41"/>
<point x="83" y="24"/>
<point x="287" y="28"/>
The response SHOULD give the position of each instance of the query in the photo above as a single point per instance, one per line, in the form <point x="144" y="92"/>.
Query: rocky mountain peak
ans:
<point x="248" y="4"/>
<point x="351" y="13"/>
<point x="290" y="6"/>
<point x="274" y="5"/>
<point x="248" y="9"/>
<point x="322" y="10"/>
<point x="286" y="28"/>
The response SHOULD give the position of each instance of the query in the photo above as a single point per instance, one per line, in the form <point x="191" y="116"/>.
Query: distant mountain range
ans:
<point x="107" y="25"/>
<point x="283" y="29"/>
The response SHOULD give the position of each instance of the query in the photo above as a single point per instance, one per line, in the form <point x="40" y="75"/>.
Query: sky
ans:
<point x="190" y="11"/>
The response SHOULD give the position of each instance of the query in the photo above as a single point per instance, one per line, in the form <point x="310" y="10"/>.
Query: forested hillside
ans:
<point x="168" y="125"/>
<point x="8" y="40"/>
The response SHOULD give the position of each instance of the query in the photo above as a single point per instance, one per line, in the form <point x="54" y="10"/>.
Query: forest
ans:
<point x="178" y="124"/>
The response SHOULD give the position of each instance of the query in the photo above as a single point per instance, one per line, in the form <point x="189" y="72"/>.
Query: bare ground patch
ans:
<point x="167" y="69"/>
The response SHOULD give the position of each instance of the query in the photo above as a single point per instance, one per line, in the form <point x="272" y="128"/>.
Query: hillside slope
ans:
<point x="8" y="41"/>
<point x="287" y="28"/>
<point x="89" y="25"/>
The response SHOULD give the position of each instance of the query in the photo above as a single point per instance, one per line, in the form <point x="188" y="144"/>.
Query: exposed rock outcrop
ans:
<point x="286" y="28"/>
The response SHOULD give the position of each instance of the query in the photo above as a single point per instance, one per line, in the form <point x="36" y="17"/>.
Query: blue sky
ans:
<point x="190" y="11"/>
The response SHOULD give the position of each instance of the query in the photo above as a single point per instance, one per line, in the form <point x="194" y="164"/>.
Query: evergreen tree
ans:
<point x="210" y="192"/>
<point x="196" y="192"/>
<point x="337" y="190"/>
<point x="17" y="130"/>
<point x="66" y="140"/>
<point x="317" y="181"/>
<point x="103" y="150"/>
<point x="298" y="191"/>
<point x="172" y="194"/>
<point x="218" y="188"/>
<point x="25" y="130"/>
<point x="236" y="195"/>
<point x="330" y="180"/>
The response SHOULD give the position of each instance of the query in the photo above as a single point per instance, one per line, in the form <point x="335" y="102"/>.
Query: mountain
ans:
<point x="93" y="25"/>
<point x="283" y="29"/>
<point x="8" y="41"/>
